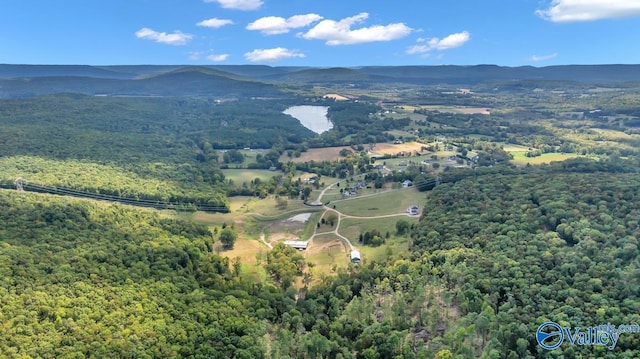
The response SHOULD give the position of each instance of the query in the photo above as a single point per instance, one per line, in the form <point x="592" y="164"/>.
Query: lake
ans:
<point x="311" y="117"/>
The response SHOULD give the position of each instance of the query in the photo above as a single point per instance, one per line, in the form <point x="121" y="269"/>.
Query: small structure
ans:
<point x="413" y="210"/>
<point x="299" y="245"/>
<point x="355" y="256"/>
<point x="19" y="182"/>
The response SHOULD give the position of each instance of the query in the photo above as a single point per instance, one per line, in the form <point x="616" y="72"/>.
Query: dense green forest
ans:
<point x="160" y="149"/>
<point x="493" y="257"/>
<point x="142" y="129"/>
<point x="498" y="250"/>
<point x="81" y="279"/>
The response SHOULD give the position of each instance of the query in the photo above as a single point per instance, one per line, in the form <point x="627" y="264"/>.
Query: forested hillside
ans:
<point x="102" y="281"/>
<point x="492" y="258"/>
<point x="142" y="148"/>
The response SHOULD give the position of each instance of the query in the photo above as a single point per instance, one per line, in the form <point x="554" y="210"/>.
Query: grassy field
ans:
<point x="247" y="251"/>
<point x="316" y="154"/>
<point x="393" y="245"/>
<point x="459" y="109"/>
<point x="249" y="155"/>
<point x="508" y="147"/>
<point x="327" y="253"/>
<point x="390" y="202"/>
<point x="519" y="158"/>
<point x="396" y="163"/>
<point x="352" y="227"/>
<point x="239" y="176"/>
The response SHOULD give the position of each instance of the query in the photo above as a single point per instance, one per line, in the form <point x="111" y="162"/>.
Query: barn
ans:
<point x="355" y="256"/>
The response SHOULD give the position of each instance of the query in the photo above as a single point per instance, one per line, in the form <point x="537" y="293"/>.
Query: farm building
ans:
<point x="355" y="256"/>
<point x="299" y="245"/>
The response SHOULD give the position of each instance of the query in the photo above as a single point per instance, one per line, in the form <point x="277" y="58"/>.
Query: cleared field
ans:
<point x="459" y="109"/>
<point x="351" y="227"/>
<point x="316" y="154"/>
<point x="519" y="158"/>
<point x="613" y="135"/>
<point x="327" y="253"/>
<point x="391" y="202"/>
<point x="393" y="245"/>
<point x="335" y="96"/>
<point x="400" y="162"/>
<point x="248" y="251"/>
<point x="394" y="149"/>
<point x="239" y="176"/>
<point x="514" y="148"/>
<point x="333" y="153"/>
<point x="250" y="155"/>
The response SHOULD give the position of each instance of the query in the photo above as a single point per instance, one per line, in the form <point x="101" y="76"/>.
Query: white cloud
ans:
<point x="589" y="10"/>
<point x="449" y="42"/>
<point x="271" y="55"/>
<point x="215" y="23"/>
<point x="340" y="32"/>
<point x="176" y="38"/>
<point x="239" y="4"/>
<point x="217" y="57"/>
<point x="538" y="58"/>
<point x="197" y="55"/>
<point x="273" y="25"/>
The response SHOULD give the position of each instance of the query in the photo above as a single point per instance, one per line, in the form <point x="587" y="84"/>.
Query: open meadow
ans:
<point x="392" y="202"/>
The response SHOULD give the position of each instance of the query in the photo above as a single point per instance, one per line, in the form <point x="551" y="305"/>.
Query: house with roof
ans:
<point x="299" y="245"/>
<point x="413" y="210"/>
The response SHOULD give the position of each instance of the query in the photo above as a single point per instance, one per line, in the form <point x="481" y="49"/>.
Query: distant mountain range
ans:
<point x="242" y="81"/>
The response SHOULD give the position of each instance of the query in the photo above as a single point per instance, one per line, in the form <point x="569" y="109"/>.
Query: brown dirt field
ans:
<point x="320" y="247"/>
<point x="336" y="97"/>
<point x="391" y="148"/>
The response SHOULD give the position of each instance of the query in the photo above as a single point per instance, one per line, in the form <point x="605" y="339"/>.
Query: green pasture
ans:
<point x="241" y="175"/>
<point x="394" y="163"/>
<point x="384" y="203"/>
<point x="392" y="246"/>
<point x="326" y="255"/>
<point x="519" y="158"/>
<point x="352" y="227"/>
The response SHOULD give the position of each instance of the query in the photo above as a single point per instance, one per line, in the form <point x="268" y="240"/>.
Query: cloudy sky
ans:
<point x="320" y="32"/>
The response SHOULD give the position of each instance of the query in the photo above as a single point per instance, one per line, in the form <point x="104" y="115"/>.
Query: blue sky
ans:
<point x="320" y="32"/>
